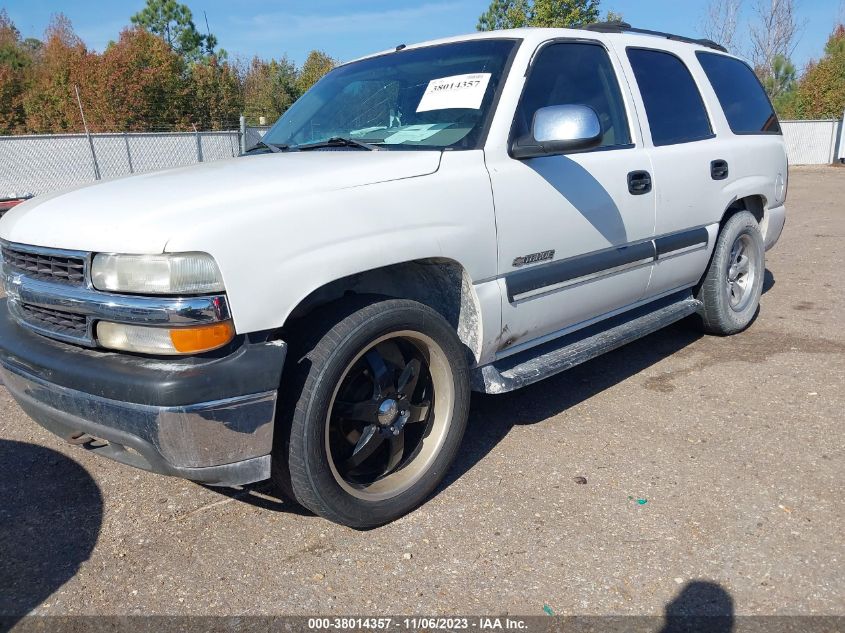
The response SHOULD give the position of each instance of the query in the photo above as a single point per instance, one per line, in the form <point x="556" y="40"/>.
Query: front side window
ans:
<point x="434" y="97"/>
<point x="575" y="73"/>
<point x="673" y="104"/>
<point x="740" y="94"/>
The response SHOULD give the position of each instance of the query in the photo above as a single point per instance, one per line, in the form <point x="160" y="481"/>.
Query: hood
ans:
<point x="140" y="214"/>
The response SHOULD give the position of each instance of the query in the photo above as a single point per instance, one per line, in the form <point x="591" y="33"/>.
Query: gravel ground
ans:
<point x="706" y="460"/>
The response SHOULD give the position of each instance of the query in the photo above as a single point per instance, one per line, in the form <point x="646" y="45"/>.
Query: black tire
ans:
<point x="730" y="298"/>
<point x="332" y="347"/>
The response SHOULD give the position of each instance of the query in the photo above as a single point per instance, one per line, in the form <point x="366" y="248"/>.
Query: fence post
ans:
<point x="842" y="139"/>
<point x="242" y="134"/>
<point x="199" y="144"/>
<point x="128" y="153"/>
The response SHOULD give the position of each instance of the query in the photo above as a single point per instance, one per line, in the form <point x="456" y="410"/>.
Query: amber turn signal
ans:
<point x="204" y="338"/>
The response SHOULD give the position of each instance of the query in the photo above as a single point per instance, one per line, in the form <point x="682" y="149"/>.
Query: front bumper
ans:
<point x="208" y="419"/>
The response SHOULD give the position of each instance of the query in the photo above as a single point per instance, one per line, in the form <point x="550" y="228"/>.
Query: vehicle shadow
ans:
<point x="264" y="495"/>
<point x="493" y="416"/>
<point x="768" y="281"/>
<point x="51" y="512"/>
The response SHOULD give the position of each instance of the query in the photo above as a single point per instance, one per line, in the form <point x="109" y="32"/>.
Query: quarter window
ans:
<point x="575" y="74"/>
<point x="673" y="104"/>
<point x="741" y="95"/>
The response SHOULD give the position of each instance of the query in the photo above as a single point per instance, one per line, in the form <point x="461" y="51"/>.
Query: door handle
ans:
<point x="719" y="169"/>
<point x="639" y="182"/>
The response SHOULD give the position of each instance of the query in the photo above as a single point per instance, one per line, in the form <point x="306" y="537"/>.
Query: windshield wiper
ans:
<point x="271" y="146"/>
<point x="339" y="141"/>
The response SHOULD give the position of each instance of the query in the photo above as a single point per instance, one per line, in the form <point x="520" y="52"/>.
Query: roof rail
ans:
<point x="624" y="27"/>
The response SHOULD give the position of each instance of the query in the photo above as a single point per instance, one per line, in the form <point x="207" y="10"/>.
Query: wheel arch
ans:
<point x="443" y="284"/>
<point x="754" y="204"/>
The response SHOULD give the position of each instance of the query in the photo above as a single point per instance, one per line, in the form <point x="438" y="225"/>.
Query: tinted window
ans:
<point x="672" y="101"/>
<point x="743" y="99"/>
<point x="575" y="74"/>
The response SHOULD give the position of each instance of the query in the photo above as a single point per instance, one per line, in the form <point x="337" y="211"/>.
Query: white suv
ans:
<point x="475" y="213"/>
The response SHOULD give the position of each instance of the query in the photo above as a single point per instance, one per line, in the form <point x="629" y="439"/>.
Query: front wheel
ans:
<point x="381" y="412"/>
<point x="731" y="290"/>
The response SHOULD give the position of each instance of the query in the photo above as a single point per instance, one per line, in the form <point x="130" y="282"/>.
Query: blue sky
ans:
<point x="345" y="29"/>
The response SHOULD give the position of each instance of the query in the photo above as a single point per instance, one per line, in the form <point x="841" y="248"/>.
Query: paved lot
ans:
<point x="736" y="445"/>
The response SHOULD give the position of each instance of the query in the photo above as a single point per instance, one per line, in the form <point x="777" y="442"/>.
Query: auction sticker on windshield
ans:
<point x="458" y="91"/>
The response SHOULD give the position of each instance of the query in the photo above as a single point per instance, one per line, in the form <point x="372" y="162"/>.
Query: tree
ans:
<point x="821" y="91"/>
<point x="174" y="23"/>
<point x="141" y="85"/>
<point x="564" y="13"/>
<point x="15" y="72"/>
<point x="782" y="78"/>
<point x="836" y="42"/>
<point x="773" y="34"/>
<point x="613" y="16"/>
<point x="508" y="14"/>
<point x="63" y="62"/>
<point x="504" y="14"/>
<point x="316" y="65"/>
<point x="215" y="95"/>
<point x="269" y="89"/>
<point x="721" y="21"/>
<point x="786" y="105"/>
<point x="32" y="45"/>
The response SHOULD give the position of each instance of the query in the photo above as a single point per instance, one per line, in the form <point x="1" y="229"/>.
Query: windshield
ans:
<point x="433" y="97"/>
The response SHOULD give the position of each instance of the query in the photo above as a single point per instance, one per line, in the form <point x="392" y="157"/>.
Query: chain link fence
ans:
<point x="253" y="135"/>
<point x="45" y="163"/>
<point x="814" y="142"/>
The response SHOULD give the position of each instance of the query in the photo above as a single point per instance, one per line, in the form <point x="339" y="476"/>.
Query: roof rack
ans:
<point x="624" y="27"/>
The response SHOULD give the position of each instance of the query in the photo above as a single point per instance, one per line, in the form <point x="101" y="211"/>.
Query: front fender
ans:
<point x="272" y="260"/>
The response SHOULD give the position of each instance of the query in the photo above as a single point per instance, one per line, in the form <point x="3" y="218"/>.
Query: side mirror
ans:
<point x="559" y="129"/>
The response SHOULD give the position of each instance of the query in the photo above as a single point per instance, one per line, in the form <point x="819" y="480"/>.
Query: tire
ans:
<point x="731" y="289"/>
<point x="360" y="450"/>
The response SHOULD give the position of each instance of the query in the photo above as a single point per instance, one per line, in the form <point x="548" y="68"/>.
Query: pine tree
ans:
<point x="510" y="14"/>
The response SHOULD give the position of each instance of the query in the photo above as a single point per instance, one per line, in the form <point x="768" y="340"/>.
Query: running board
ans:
<point x="573" y="349"/>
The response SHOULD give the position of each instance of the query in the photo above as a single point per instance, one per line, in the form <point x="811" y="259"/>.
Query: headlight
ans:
<point x="182" y="273"/>
<point x="164" y="341"/>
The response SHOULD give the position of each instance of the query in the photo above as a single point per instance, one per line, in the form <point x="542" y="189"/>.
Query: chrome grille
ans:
<point x="49" y="292"/>
<point x="54" y="321"/>
<point x="45" y="265"/>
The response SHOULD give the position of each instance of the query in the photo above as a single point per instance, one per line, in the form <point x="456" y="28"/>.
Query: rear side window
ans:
<point x="673" y="104"/>
<point x="743" y="99"/>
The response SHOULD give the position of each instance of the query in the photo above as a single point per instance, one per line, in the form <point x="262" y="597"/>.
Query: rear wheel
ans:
<point x="731" y="290"/>
<point x="380" y="414"/>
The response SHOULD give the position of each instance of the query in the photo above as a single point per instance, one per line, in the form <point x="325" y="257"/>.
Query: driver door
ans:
<point x="574" y="236"/>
